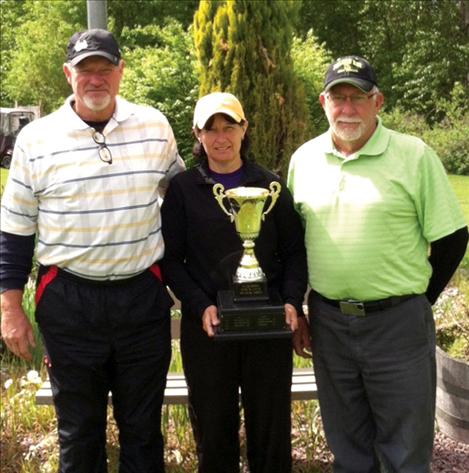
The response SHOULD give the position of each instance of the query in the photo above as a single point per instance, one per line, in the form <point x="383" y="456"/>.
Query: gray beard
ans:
<point x="348" y="135"/>
<point x="97" y="106"/>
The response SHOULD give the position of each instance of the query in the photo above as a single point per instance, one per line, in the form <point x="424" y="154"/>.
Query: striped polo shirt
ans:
<point x="370" y="217"/>
<point x="94" y="219"/>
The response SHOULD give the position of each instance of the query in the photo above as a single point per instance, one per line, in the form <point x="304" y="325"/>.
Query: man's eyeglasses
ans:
<point x="103" y="151"/>
<point x="356" y="99"/>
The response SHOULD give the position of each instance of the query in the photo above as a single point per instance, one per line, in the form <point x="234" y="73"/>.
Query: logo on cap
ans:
<point x="347" y="64"/>
<point x="81" y="44"/>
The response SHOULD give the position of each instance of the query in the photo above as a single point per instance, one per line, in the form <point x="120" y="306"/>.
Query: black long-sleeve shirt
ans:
<point x="202" y="248"/>
<point x="445" y="255"/>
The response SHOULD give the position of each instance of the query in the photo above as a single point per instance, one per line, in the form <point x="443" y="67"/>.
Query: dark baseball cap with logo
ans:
<point x="353" y="70"/>
<point x="95" y="42"/>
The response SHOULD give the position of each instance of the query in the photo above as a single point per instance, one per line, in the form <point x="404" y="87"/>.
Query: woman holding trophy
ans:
<point x="203" y="261"/>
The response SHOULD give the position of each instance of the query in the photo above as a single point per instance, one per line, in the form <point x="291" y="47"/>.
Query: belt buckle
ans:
<point x="352" y="308"/>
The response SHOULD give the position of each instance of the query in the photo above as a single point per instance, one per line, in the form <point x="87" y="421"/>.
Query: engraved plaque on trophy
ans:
<point x="249" y="309"/>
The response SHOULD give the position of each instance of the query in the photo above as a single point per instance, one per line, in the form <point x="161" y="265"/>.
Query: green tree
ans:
<point x="335" y="23"/>
<point x="11" y="12"/>
<point x="137" y="13"/>
<point x="162" y="74"/>
<point x="243" y="47"/>
<point x="35" y="33"/>
<point x="433" y="62"/>
<point x="418" y="48"/>
<point x="34" y="75"/>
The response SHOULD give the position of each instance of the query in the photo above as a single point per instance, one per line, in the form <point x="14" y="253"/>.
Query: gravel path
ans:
<point x="449" y="456"/>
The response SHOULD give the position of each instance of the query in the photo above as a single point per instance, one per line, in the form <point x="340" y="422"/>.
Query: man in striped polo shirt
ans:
<point x="86" y="182"/>
<point x="384" y="234"/>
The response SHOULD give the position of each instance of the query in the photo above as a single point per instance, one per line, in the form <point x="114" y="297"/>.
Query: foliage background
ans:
<point x="160" y="71"/>
<point x="419" y="48"/>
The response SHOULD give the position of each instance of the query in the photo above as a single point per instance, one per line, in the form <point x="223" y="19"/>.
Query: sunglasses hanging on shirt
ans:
<point x="103" y="151"/>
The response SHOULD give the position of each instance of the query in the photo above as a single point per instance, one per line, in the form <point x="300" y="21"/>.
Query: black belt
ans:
<point x="96" y="282"/>
<point x="361" y="308"/>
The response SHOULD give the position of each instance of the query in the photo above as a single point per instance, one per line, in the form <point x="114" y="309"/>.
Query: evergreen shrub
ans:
<point x="244" y="47"/>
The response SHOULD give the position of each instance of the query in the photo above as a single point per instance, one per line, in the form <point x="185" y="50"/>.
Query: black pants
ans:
<point x="215" y="371"/>
<point x="102" y="338"/>
<point x="376" y="385"/>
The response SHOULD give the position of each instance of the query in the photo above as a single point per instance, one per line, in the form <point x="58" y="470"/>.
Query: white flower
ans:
<point x="8" y="383"/>
<point x="33" y="377"/>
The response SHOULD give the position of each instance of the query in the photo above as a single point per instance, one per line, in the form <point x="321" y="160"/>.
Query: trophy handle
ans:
<point x="275" y="188"/>
<point x="219" y="192"/>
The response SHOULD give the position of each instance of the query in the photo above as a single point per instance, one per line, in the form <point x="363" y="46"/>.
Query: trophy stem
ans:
<point x="249" y="269"/>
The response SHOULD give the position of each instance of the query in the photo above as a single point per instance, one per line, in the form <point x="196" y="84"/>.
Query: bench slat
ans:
<point x="303" y="388"/>
<point x="303" y="381"/>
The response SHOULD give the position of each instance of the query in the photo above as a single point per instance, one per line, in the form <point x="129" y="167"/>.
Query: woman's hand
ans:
<point x="291" y="317"/>
<point x="210" y="320"/>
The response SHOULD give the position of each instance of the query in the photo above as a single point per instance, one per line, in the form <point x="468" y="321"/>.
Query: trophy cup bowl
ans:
<point x="249" y="309"/>
<point x="247" y="212"/>
<point x="247" y="205"/>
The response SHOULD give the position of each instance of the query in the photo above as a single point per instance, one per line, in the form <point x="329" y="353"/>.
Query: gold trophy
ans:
<point x="249" y="309"/>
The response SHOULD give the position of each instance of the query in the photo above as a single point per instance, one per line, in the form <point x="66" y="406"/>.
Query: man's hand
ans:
<point x="301" y="339"/>
<point x="210" y="320"/>
<point x="16" y="329"/>
<point x="291" y="317"/>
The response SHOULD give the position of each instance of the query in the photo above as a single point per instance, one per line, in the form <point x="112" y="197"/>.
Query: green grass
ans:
<point x="3" y="179"/>
<point x="461" y="188"/>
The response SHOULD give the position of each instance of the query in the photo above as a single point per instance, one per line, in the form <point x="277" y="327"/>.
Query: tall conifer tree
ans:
<point x="243" y="47"/>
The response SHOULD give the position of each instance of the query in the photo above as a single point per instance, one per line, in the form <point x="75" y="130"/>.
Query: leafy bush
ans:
<point x="404" y="122"/>
<point x="449" y="138"/>
<point x="162" y="74"/>
<point x="310" y="62"/>
<point x="451" y="142"/>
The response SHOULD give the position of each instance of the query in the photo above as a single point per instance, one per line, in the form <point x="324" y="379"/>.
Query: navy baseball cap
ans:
<point x="95" y="42"/>
<point x="353" y="70"/>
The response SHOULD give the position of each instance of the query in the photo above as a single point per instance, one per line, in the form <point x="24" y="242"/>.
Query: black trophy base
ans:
<point x="250" y="319"/>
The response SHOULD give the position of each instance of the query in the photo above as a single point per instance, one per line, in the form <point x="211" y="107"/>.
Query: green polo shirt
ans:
<point x="369" y="217"/>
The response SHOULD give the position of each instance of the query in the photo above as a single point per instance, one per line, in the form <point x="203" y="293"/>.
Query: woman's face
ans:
<point x="222" y="143"/>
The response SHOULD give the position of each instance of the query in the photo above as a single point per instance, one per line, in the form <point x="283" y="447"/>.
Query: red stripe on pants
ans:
<point x="155" y="269"/>
<point x="45" y="281"/>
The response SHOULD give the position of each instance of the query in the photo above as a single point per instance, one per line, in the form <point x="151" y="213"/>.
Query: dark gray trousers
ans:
<point x="376" y="385"/>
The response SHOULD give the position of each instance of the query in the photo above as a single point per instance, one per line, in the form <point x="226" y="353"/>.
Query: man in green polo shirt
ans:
<point x="384" y="234"/>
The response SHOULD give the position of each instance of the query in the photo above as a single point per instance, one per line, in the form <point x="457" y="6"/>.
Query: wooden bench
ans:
<point x="303" y="382"/>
